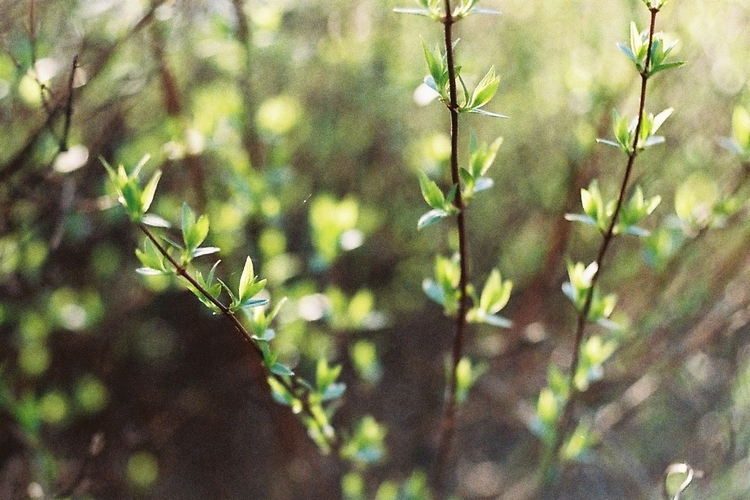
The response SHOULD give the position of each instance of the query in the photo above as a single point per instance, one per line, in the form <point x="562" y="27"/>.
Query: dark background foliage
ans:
<point x="293" y="126"/>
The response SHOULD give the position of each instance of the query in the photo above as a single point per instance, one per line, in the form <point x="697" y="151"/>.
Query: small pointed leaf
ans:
<point x="431" y="217"/>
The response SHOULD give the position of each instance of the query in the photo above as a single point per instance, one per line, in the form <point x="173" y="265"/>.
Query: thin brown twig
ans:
<point x="448" y="425"/>
<point x="295" y="388"/>
<point x="69" y="106"/>
<point x="564" y="422"/>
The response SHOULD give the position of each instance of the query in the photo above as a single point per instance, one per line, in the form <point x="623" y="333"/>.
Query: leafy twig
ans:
<point x="649" y="58"/>
<point x="157" y="258"/>
<point x="448" y="425"/>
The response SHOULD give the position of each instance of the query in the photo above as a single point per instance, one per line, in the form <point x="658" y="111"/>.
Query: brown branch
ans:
<point x="69" y="106"/>
<point x="564" y="423"/>
<point x="296" y="388"/>
<point x="18" y="160"/>
<point x="448" y="425"/>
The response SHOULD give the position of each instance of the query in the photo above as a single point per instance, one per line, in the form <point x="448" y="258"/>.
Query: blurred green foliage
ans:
<point x="295" y="127"/>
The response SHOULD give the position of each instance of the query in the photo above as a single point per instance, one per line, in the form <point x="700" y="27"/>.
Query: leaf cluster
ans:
<point x="316" y="416"/>
<point x="439" y="81"/>
<point x="739" y="143"/>
<point x="367" y="444"/>
<point x="473" y="180"/>
<point x="433" y="9"/>
<point x="638" y="52"/>
<point x="135" y="198"/>
<point x="549" y="408"/>
<point x="467" y="373"/>
<point x="444" y="290"/>
<point x="625" y="131"/>
<point x="598" y="212"/>
<point x="579" y="286"/>
<point x="167" y="257"/>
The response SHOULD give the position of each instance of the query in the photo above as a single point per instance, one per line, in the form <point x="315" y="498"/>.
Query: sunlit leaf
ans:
<point x="485" y="90"/>
<point x="149" y="191"/>
<point x="280" y="369"/>
<point x="431" y="217"/>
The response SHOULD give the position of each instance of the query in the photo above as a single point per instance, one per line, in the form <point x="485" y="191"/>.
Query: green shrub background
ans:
<point x="293" y="126"/>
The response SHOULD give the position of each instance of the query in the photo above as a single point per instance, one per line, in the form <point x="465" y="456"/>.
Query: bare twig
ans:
<point x="69" y="106"/>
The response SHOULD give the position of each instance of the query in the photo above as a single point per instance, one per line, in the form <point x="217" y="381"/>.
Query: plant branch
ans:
<point x="448" y="425"/>
<point x="563" y="423"/>
<point x="295" y="387"/>
<point x="69" y="106"/>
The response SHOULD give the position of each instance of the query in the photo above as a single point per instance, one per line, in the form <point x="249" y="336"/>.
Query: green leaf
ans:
<point x="548" y="407"/>
<point x="741" y="127"/>
<point x="481" y="156"/>
<point x="468" y="183"/>
<point x="226" y="288"/>
<point x="276" y="309"/>
<point x="366" y="445"/>
<point x="495" y="294"/>
<point x="438" y="70"/>
<point x="433" y="291"/>
<point x="406" y="10"/>
<point x="497" y="321"/>
<point x="665" y="66"/>
<point x="622" y="131"/>
<point x="580" y="440"/>
<point x="464" y="90"/>
<point x="201" y="251"/>
<point x="609" y="143"/>
<point x="634" y="211"/>
<point x="151" y="259"/>
<point x="281" y="370"/>
<point x="200" y="231"/>
<point x="206" y="293"/>
<point x="485" y="113"/>
<point x="589" y="221"/>
<point x="485" y="90"/>
<point x="280" y="393"/>
<point x="334" y="391"/>
<point x="659" y="119"/>
<point x="155" y="221"/>
<point x="659" y="53"/>
<point x="137" y="170"/>
<point x="466" y="376"/>
<point x="430" y="218"/>
<point x="325" y="375"/>
<point x="247" y="278"/>
<point x="188" y="220"/>
<point x="580" y="277"/>
<point x="131" y="200"/>
<point x="193" y="232"/>
<point x="695" y="200"/>
<point x="269" y="357"/>
<point x="431" y="192"/>
<point x="149" y="191"/>
<point x="638" y="46"/>
<point x="250" y="303"/>
<point x="449" y="199"/>
<point x="628" y="52"/>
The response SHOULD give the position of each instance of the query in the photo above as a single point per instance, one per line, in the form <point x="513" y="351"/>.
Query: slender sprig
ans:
<point x="163" y="256"/>
<point x="648" y="52"/>
<point x="451" y="288"/>
<point x="448" y="426"/>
